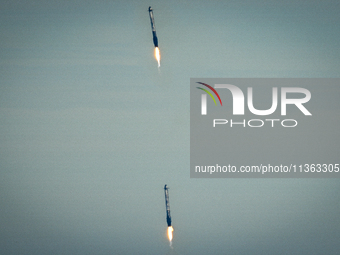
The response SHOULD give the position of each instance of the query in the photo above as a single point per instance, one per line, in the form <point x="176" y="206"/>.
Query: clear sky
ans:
<point x="91" y="130"/>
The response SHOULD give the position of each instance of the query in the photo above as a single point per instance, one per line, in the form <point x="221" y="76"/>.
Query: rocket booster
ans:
<point x="153" y="27"/>
<point x="167" y="206"/>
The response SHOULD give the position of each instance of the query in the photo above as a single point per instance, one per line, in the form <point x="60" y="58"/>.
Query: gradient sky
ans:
<point x="91" y="130"/>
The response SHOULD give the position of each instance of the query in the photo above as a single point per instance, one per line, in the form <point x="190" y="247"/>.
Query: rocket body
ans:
<point x="153" y="28"/>
<point x="167" y="206"/>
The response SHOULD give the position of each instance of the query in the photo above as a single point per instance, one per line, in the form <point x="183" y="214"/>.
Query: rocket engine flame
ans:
<point x="170" y="236"/>
<point x="158" y="56"/>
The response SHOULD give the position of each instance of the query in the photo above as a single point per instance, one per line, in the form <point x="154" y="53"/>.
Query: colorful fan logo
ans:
<point x="209" y="93"/>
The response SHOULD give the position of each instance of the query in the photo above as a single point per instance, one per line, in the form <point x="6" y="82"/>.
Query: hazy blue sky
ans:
<point x="91" y="130"/>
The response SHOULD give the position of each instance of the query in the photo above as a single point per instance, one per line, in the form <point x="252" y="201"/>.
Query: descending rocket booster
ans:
<point x="167" y="206"/>
<point x="154" y="37"/>
<point x="168" y="216"/>
<point x="153" y="27"/>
